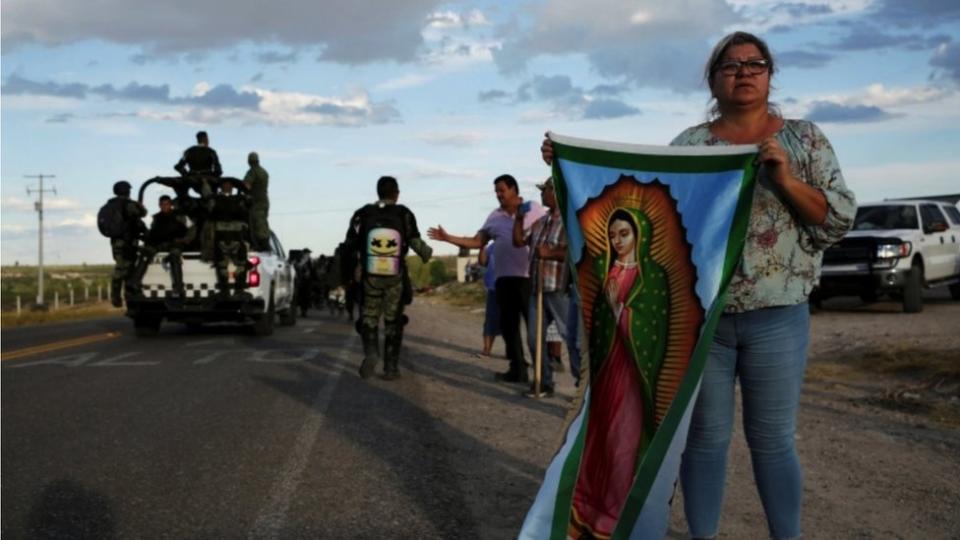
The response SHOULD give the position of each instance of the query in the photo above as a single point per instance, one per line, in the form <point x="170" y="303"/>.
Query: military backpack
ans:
<point x="111" y="220"/>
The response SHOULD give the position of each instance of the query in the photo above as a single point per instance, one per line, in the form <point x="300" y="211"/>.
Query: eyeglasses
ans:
<point x="753" y="67"/>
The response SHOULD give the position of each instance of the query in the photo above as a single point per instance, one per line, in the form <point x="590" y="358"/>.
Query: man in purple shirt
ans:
<point x="512" y="269"/>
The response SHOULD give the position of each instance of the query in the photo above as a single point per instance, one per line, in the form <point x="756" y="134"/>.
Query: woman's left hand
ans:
<point x="775" y="159"/>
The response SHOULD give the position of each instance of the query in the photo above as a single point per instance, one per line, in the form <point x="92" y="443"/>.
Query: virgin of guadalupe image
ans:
<point x="631" y="322"/>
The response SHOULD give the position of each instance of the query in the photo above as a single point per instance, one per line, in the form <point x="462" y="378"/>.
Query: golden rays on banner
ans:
<point x="673" y="300"/>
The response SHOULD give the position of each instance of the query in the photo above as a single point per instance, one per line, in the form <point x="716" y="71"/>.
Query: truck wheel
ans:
<point x="263" y="324"/>
<point x="955" y="291"/>
<point x="868" y="297"/>
<point x="288" y="317"/>
<point x="913" y="290"/>
<point x="146" y="325"/>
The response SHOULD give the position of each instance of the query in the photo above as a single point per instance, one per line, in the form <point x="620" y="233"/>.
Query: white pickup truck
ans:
<point x="896" y="247"/>
<point x="268" y="294"/>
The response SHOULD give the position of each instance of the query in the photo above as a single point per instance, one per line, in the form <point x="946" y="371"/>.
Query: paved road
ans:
<point x="219" y="434"/>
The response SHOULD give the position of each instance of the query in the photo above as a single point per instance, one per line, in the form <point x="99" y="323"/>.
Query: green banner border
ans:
<point x="649" y="467"/>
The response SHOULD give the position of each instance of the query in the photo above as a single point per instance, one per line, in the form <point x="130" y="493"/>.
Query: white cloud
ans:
<point x="460" y="139"/>
<point x="875" y="95"/>
<point x="346" y="32"/>
<point x="405" y="81"/>
<point x="622" y="39"/>
<point x="85" y="221"/>
<point x="49" y="203"/>
<point x="201" y="88"/>
<point x="877" y="182"/>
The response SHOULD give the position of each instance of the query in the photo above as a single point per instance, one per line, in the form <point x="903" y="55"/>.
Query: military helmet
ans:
<point x="122" y="188"/>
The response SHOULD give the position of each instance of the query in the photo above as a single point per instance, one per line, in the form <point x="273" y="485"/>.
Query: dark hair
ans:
<point x="510" y="182"/>
<point x="387" y="188"/>
<point x="620" y="215"/>
<point x="164" y="198"/>
<point x="201" y="136"/>
<point x="122" y="188"/>
<point x="716" y="57"/>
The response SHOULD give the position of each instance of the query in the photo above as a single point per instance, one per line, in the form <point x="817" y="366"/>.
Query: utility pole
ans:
<point x="39" y="206"/>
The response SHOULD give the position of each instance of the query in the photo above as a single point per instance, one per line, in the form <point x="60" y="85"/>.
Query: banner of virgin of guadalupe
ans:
<point x="654" y="234"/>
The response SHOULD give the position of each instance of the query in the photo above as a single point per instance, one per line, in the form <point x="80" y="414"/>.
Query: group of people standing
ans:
<point x="228" y="216"/>
<point x="800" y="206"/>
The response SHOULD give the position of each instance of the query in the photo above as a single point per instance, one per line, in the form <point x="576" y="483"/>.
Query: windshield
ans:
<point x="872" y="218"/>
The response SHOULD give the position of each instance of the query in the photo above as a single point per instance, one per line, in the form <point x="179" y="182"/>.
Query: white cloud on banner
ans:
<point x="354" y="32"/>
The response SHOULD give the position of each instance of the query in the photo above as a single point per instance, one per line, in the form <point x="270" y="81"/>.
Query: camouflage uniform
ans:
<point x="168" y="233"/>
<point x="125" y="252"/>
<point x="256" y="181"/>
<point x="384" y="296"/>
<point x="230" y="219"/>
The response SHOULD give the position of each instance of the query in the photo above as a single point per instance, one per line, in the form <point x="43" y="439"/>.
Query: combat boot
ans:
<point x="176" y="277"/>
<point x="116" y="290"/>
<point x="391" y="357"/>
<point x="371" y="352"/>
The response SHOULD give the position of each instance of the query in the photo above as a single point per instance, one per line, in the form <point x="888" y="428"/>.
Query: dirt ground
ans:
<point x="878" y="435"/>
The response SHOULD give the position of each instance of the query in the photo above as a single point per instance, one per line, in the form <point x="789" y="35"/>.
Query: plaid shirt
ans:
<point x="548" y="231"/>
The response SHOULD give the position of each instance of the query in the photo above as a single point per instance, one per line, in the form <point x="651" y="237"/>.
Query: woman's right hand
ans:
<point x="546" y="150"/>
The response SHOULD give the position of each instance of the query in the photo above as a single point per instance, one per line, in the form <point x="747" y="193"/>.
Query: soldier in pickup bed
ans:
<point x="169" y="232"/>
<point x="230" y="219"/>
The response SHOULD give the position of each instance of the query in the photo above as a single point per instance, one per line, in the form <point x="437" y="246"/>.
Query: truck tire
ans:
<point x="955" y="291"/>
<point x="146" y="325"/>
<point x="263" y="324"/>
<point x="913" y="290"/>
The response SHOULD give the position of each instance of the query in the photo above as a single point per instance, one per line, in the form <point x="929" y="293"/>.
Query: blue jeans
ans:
<point x="556" y="309"/>
<point x="767" y="350"/>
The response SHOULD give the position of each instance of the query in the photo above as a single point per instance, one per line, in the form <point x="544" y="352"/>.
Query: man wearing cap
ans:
<point x="256" y="182"/>
<point x="547" y="241"/>
<point x="124" y="247"/>
<point x="169" y="232"/>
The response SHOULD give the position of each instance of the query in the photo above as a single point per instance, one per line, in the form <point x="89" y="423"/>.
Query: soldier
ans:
<point x="200" y="167"/>
<point x="256" y="182"/>
<point x="199" y="159"/>
<point x="382" y="233"/>
<point x="121" y="220"/>
<point x="230" y="217"/>
<point x="170" y="232"/>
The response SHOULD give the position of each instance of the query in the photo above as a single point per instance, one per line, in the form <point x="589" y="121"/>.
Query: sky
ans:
<point x="445" y="96"/>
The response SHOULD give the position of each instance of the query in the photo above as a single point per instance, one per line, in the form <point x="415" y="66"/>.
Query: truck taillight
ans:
<point x="253" y="275"/>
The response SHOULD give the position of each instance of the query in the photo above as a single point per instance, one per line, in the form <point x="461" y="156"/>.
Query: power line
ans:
<point x="39" y="207"/>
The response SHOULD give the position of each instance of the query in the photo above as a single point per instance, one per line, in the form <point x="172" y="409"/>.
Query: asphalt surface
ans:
<point x="215" y="433"/>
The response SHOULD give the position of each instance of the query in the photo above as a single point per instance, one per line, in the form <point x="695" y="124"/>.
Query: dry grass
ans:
<point x="9" y="319"/>
<point x="471" y="295"/>
<point x="911" y="380"/>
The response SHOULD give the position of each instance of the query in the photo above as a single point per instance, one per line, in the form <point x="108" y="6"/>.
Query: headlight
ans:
<point x="892" y="251"/>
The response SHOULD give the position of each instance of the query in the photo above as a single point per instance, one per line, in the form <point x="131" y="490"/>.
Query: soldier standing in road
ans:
<point x="168" y="232"/>
<point x="231" y="218"/>
<point x="127" y="216"/>
<point x="256" y="182"/>
<point x="382" y="233"/>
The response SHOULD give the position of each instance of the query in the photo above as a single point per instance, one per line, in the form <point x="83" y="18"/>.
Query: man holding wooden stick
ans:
<point x="550" y="295"/>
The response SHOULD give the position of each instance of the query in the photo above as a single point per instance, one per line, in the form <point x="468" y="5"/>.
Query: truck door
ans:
<point x="936" y="242"/>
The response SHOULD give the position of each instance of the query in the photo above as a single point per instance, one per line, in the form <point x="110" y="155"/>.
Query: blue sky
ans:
<point x="443" y="95"/>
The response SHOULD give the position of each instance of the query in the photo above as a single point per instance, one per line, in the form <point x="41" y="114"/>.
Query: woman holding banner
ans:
<point x="800" y="206"/>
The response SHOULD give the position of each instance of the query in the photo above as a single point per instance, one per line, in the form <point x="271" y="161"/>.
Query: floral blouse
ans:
<point x="781" y="258"/>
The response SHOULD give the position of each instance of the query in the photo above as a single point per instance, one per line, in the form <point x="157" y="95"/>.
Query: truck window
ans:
<point x="953" y="213"/>
<point x="931" y="214"/>
<point x="886" y="217"/>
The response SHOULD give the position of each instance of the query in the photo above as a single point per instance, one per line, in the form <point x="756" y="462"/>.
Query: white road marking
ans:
<point x="273" y="516"/>
<point x="298" y="355"/>
<point x="114" y="361"/>
<point x="70" y="360"/>
<point x="203" y="360"/>
<point x="216" y="341"/>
